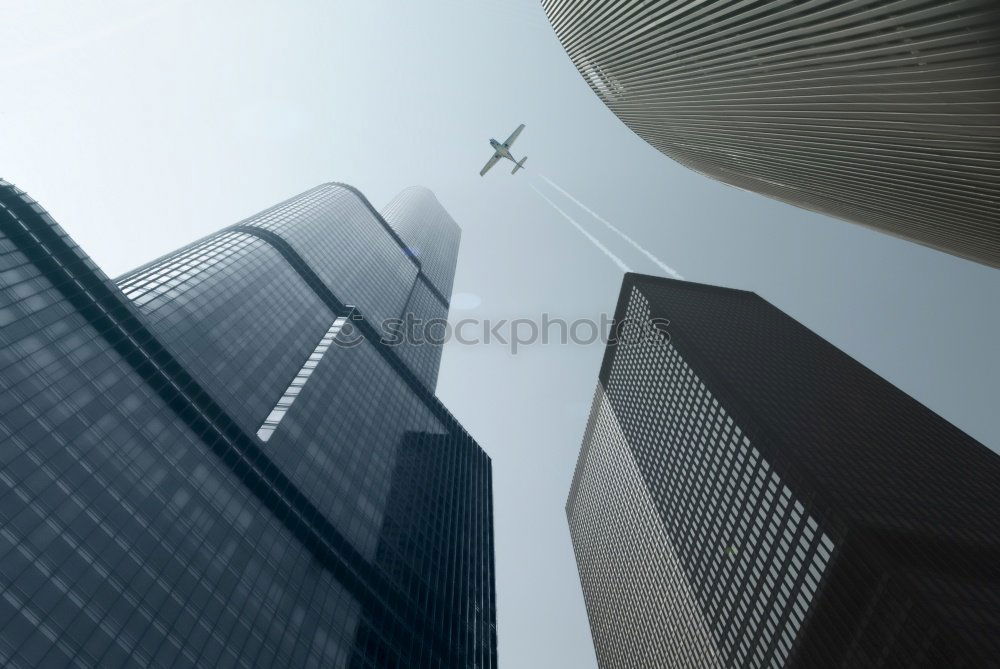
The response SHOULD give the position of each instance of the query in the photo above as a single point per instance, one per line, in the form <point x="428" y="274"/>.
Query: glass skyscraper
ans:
<point x="885" y="112"/>
<point x="747" y="495"/>
<point x="223" y="458"/>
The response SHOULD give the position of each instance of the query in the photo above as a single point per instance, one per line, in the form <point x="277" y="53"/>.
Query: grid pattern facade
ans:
<point x="642" y="610"/>
<point x="426" y="317"/>
<point x="883" y="113"/>
<point x="430" y="234"/>
<point x="431" y="240"/>
<point x="432" y="474"/>
<point x="751" y="557"/>
<point x="231" y="298"/>
<point x="295" y="387"/>
<point x="341" y="239"/>
<point x="818" y="516"/>
<point x="144" y="523"/>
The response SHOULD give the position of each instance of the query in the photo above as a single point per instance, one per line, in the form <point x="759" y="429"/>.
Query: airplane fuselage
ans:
<point x="501" y="149"/>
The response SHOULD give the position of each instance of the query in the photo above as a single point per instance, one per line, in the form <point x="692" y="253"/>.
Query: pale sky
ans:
<point x="142" y="126"/>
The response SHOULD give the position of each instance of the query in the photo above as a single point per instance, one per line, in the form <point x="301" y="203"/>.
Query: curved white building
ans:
<point x="884" y="113"/>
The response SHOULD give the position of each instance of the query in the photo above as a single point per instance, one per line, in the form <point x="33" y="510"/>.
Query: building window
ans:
<point x="295" y="387"/>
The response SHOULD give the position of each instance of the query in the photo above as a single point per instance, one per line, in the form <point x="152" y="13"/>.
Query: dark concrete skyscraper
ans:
<point x="885" y="113"/>
<point x="216" y="460"/>
<point x="747" y="495"/>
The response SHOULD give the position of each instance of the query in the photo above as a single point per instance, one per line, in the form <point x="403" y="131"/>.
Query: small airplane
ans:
<point x="503" y="151"/>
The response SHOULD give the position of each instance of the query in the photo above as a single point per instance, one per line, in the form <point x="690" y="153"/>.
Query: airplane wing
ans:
<point x="489" y="163"/>
<point x="513" y="136"/>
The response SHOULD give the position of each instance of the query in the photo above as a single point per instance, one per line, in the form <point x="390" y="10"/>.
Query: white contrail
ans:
<point x="593" y="240"/>
<point x="662" y="265"/>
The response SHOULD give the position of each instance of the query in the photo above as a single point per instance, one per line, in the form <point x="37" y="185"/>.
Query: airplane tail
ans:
<point x="520" y="165"/>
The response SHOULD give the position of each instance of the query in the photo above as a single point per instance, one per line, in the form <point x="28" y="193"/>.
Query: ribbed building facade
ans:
<point x="218" y="460"/>
<point x="747" y="495"/>
<point x="883" y="113"/>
